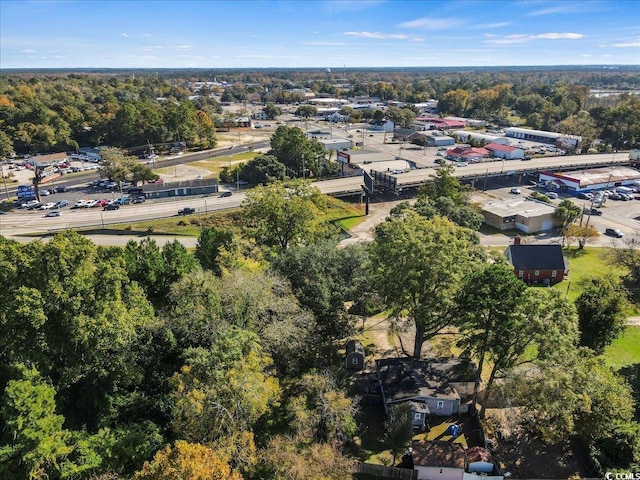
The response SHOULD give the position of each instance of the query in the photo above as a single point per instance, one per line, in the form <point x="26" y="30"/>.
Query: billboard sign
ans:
<point x="26" y="191"/>
<point x="344" y="157"/>
<point x="368" y="183"/>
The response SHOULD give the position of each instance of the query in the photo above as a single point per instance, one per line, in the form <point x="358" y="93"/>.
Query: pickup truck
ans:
<point x="186" y="211"/>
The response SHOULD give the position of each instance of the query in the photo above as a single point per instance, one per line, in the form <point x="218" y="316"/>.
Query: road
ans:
<point x="86" y="177"/>
<point x="19" y="223"/>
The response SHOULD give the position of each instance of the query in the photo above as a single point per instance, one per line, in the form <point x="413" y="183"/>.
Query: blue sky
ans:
<point x="316" y="33"/>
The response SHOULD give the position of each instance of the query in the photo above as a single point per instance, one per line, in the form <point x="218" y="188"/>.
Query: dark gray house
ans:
<point x="437" y="386"/>
<point x="354" y="357"/>
<point x="538" y="264"/>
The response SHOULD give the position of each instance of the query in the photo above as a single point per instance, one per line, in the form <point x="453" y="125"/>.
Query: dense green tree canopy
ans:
<point x="418" y="264"/>
<point x="601" y="312"/>
<point x="283" y="214"/>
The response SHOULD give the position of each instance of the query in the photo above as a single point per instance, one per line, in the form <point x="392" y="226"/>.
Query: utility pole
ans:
<point x="4" y="180"/>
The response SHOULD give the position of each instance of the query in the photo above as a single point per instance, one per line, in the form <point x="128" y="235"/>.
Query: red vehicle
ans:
<point x="103" y="202"/>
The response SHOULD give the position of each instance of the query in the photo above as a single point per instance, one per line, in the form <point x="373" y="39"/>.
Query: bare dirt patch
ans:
<point x="525" y="456"/>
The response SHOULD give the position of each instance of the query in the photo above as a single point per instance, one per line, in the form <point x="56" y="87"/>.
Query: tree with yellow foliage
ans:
<point x="187" y="461"/>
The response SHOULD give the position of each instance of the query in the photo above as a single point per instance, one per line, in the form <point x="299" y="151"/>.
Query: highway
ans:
<point x="479" y="170"/>
<point x="21" y="222"/>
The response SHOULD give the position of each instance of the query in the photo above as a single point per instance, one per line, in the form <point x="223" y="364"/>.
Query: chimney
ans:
<point x="516" y="240"/>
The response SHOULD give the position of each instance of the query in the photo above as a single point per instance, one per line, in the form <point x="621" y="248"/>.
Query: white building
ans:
<point x="337" y="117"/>
<point x="381" y="126"/>
<point x="593" y="179"/>
<point x="465" y="136"/>
<point x="335" y="143"/>
<point x="566" y="142"/>
<point x="505" y="151"/>
<point x="438" y="460"/>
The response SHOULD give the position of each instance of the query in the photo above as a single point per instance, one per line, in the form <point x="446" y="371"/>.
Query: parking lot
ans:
<point x="620" y="214"/>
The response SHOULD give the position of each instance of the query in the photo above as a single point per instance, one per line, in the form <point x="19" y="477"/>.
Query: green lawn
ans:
<point x="625" y="350"/>
<point x="350" y="222"/>
<point x="588" y="262"/>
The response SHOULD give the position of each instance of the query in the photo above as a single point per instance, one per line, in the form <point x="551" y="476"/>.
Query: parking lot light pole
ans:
<point x="102" y="218"/>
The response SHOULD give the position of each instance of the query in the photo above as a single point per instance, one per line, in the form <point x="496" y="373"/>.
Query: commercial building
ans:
<point x="588" y="180"/>
<point x="381" y="126"/>
<point x="180" y="189"/>
<point x="466" y="136"/>
<point x="566" y="142"/>
<point x="467" y="154"/>
<point x="431" y="138"/>
<point x="505" y="151"/>
<point x="524" y="214"/>
<point x="335" y="143"/>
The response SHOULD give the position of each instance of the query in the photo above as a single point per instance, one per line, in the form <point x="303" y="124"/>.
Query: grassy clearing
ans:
<point x="350" y="222"/>
<point x="625" y="350"/>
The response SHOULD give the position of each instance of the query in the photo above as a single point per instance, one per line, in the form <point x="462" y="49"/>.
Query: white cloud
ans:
<point x="125" y="35"/>
<point x="383" y="36"/>
<point x="551" y="10"/>
<point x="492" y="25"/>
<point x="181" y="47"/>
<point x="146" y="34"/>
<point x="426" y="23"/>
<point x="558" y="36"/>
<point x="28" y="50"/>
<point x="524" y="38"/>
<point x="631" y="44"/>
<point x="150" y="48"/>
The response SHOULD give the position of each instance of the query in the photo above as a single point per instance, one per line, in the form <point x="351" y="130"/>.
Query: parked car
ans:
<point x="552" y="195"/>
<point x="80" y="204"/>
<point x="614" y="232"/>
<point x="515" y="191"/>
<point x="47" y="206"/>
<point x="226" y="194"/>
<point x="62" y="203"/>
<point x="186" y="211"/>
<point x="592" y="211"/>
<point x="30" y="203"/>
<point x="139" y="199"/>
<point x="53" y="213"/>
<point x="111" y="206"/>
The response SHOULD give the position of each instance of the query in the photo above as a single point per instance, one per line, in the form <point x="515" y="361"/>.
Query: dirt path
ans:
<point x="633" y="321"/>
<point x="363" y="232"/>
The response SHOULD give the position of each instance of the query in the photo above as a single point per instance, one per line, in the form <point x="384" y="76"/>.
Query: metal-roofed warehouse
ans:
<point x="592" y="179"/>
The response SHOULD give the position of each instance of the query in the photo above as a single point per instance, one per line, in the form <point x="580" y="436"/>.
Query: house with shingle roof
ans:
<point x="437" y="386"/>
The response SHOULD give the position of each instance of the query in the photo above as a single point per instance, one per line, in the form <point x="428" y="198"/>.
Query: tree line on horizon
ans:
<point x="52" y="112"/>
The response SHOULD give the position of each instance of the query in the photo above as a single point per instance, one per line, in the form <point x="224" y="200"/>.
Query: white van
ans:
<point x="625" y="190"/>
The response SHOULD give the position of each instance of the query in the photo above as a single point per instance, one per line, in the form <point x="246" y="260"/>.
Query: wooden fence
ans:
<point x="386" y="472"/>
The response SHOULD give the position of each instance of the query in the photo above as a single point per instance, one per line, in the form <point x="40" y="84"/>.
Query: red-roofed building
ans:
<point x="505" y="151"/>
<point x="438" y="123"/>
<point x="468" y="154"/>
